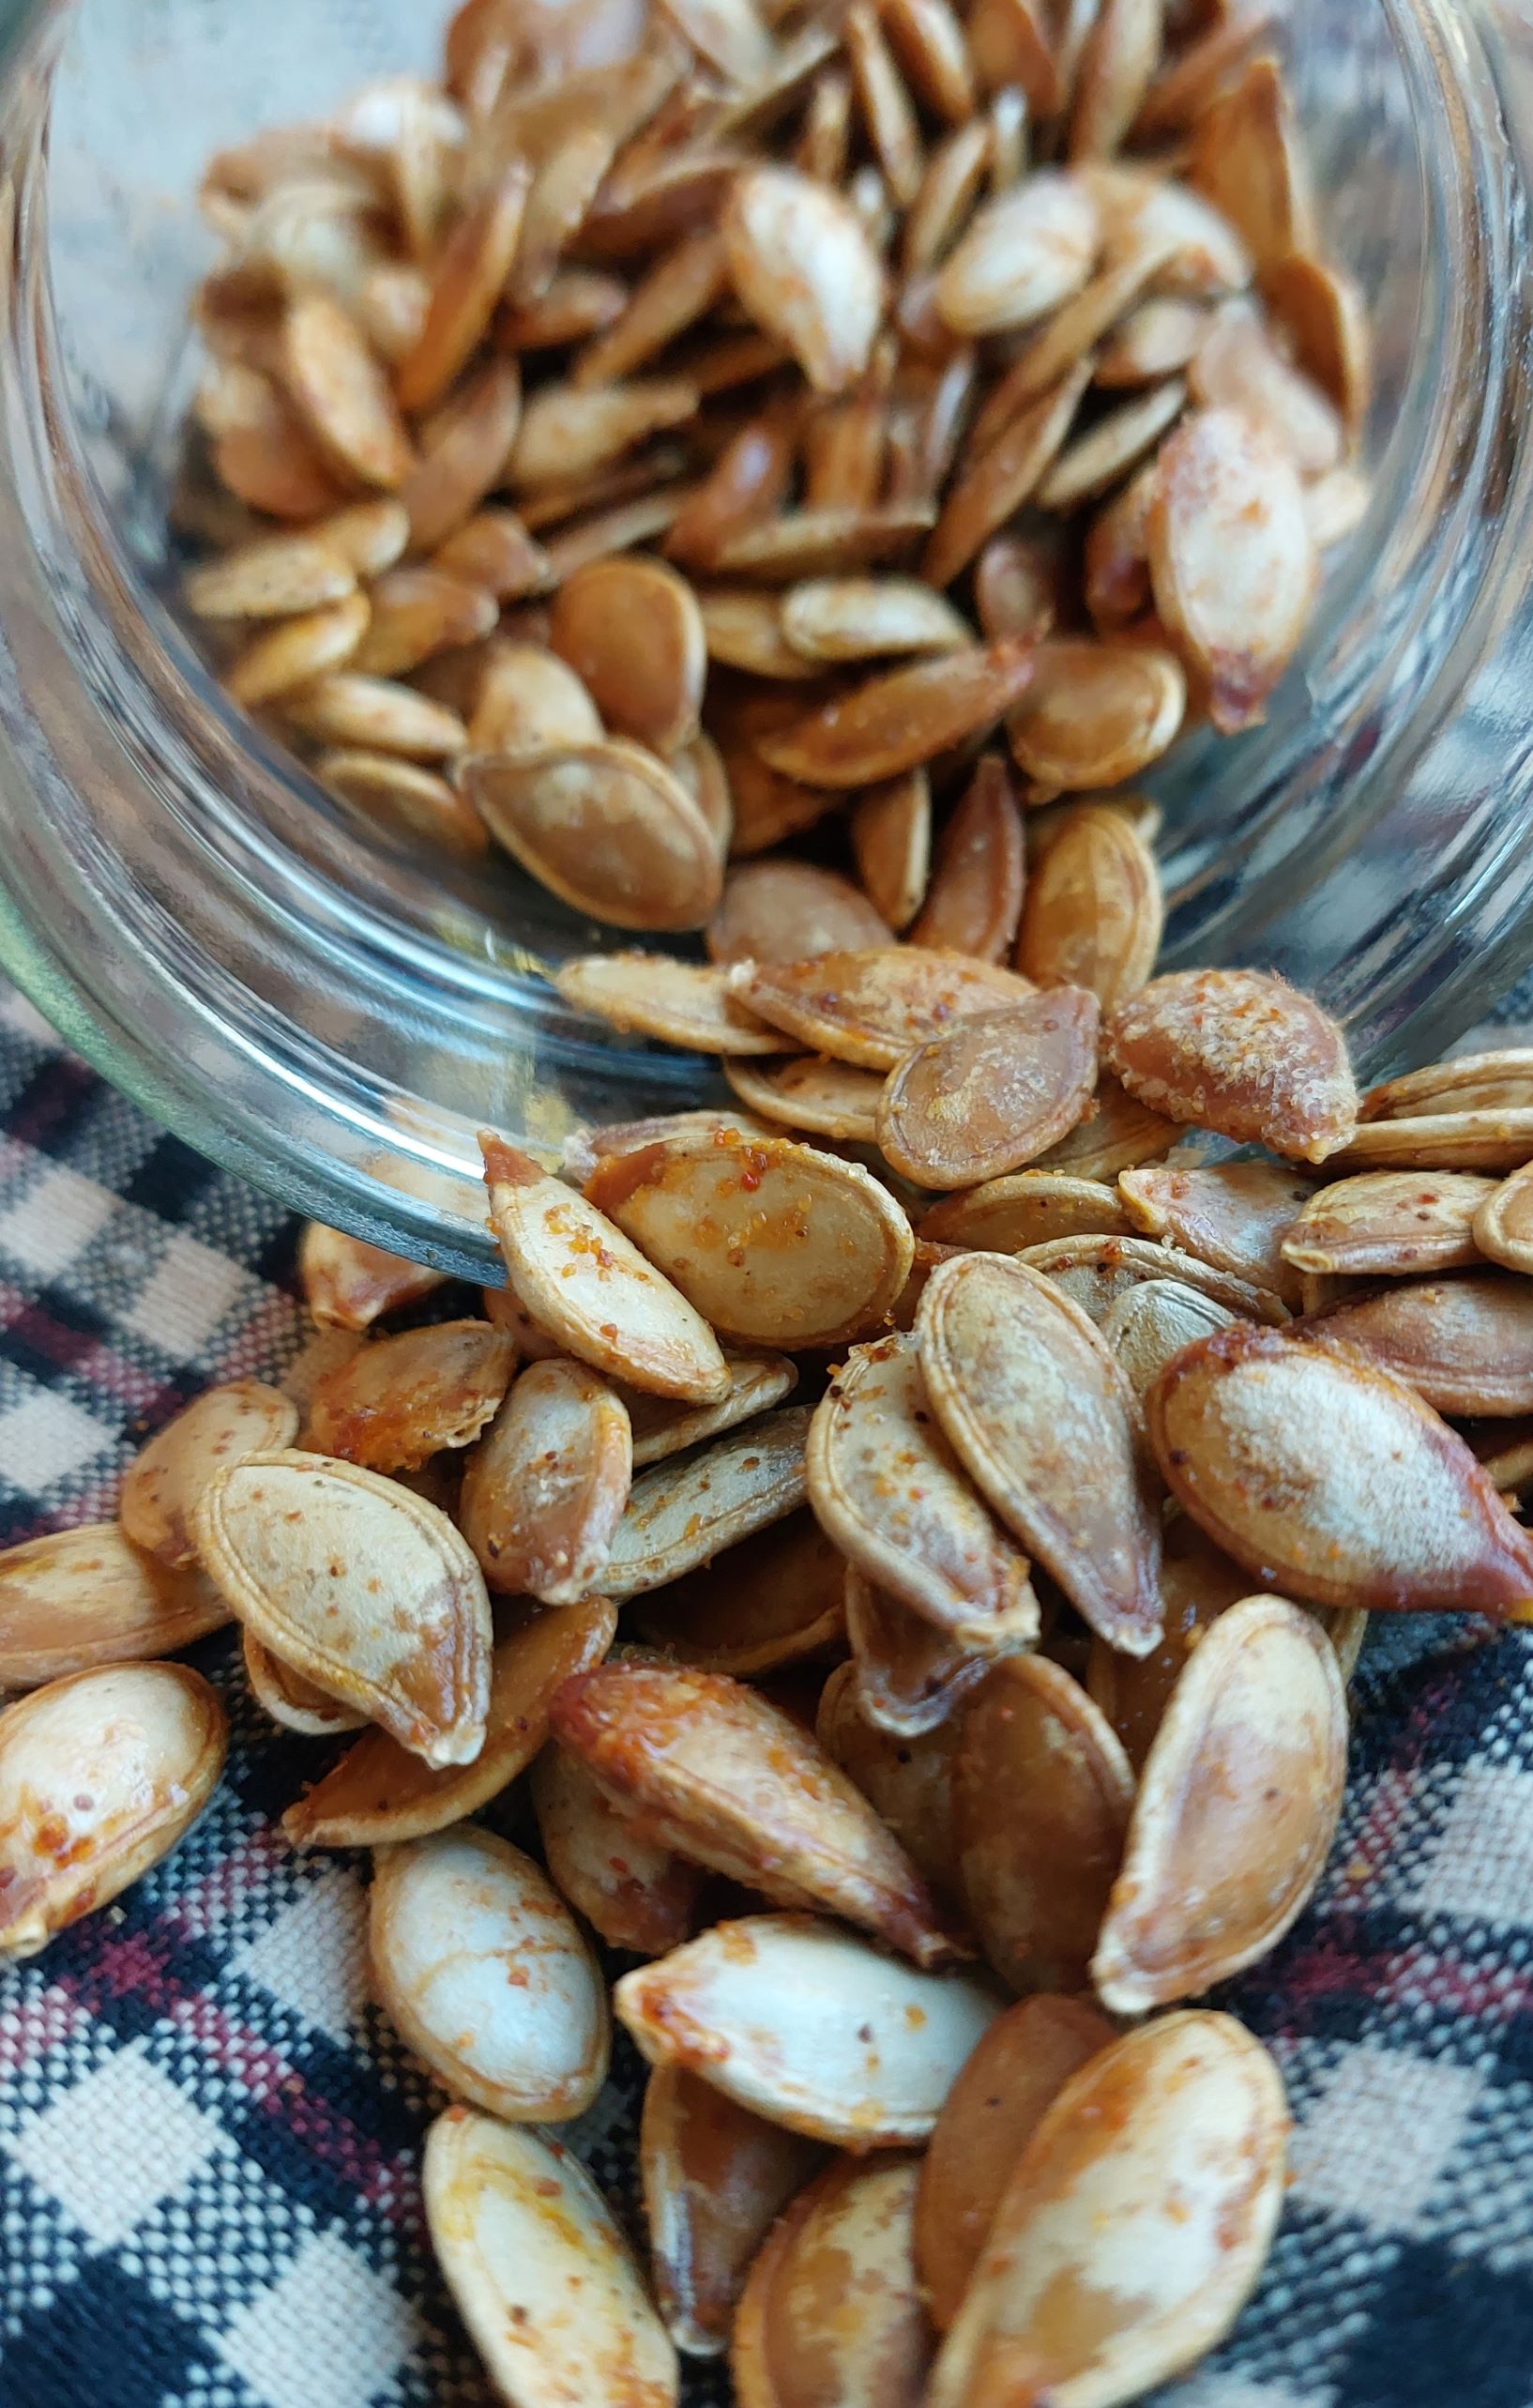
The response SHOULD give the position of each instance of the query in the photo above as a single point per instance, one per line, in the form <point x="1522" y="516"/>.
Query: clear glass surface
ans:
<point x="334" y="1015"/>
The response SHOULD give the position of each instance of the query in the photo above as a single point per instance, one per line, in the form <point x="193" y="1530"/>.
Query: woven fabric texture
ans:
<point x="209" y="2137"/>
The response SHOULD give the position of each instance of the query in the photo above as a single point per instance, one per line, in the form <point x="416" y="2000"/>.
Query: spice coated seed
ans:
<point x="784" y="422"/>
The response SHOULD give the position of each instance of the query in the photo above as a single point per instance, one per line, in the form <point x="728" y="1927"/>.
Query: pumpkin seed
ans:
<point x="494" y="549"/>
<point x="368" y="536"/>
<point x="1396" y="1223"/>
<point x="1236" y="1812"/>
<point x="1118" y="58"/>
<point x="831" y="2299"/>
<point x="1154" y="1321"/>
<point x="872" y="1006"/>
<point x="1008" y="462"/>
<point x="1322" y="1471"/>
<point x="774" y="1242"/>
<point x="347" y="1283"/>
<point x="891" y="844"/>
<point x="898" y="721"/>
<point x="76" y="1598"/>
<point x="1041" y="1792"/>
<point x="567" y="433"/>
<point x="829" y="1099"/>
<point x="1245" y="158"/>
<point x="684" y="285"/>
<point x="809" y="2027"/>
<point x="1495" y="1141"/>
<point x="1465" y="1344"/>
<point x="907" y="1778"/>
<point x="1034" y="1403"/>
<point x="1502" y="1227"/>
<point x="406" y="800"/>
<point x="804" y="270"/>
<point x="1233" y="1214"/>
<point x="632" y="1891"/>
<point x="1097" y="1272"/>
<point x="887" y="112"/>
<point x="374" y="714"/>
<point x="462" y="454"/>
<point x="822" y="543"/>
<point x="1120" y="1131"/>
<point x="1239" y="1051"/>
<point x="714" y="2179"/>
<point x="1017" y="586"/>
<point x="1095" y="715"/>
<point x="378" y="1793"/>
<point x="1336" y="506"/>
<point x="887" y="1488"/>
<point x="542" y="2275"/>
<point x="161" y="1485"/>
<point x="469" y="279"/>
<point x="854" y="618"/>
<point x="269" y="579"/>
<point x="909" y="1677"/>
<point x="743" y="628"/>
<point x="1232" y="560"/>
<point x="686" y="1509"/>
<point x="580" y="1278"/>
<point x="661" y="1427"/>
<point x="100" y="1775"/>
<point x="290" y="1700"/>
<point x="1024" y="253"/>
<point x="530" y="701"/>
<point x="1111" y="447"/>
<point x="994" y="1092"/>
<point x="584" y="1148"/>
<point x="1197" y="1584"/>
<point x="607" y="827"/>
<point x="565" y="183"/>
<point x="774" y="1599"/>
<point x="1028" y="1208"/>
<point x="342" y="392"/>
<point x="546" y="1487"/>
<point x="482" y="1969"/>
<point x="686" y="1004"/>
<point x="1323" y="313"/>
<point x="418" y="612"/>
<point x="1241" y="366"/>
<point x="1158" y="338"/>
<point x="954" y="180"/>
<point x="1017" y="2071"/>
<point x="1134" y="2226"/>
<point x="632" y="631"/>
<point x="975" y="891"/>
<point x="284" y="659"/>
<point x="403" y="1398"/>
<point x="748" y="483"/>
<point x="1494" y="1082"/>
<point x="729" y="1780"/>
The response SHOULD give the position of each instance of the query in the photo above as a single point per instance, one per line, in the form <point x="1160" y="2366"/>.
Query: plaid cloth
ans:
<point x="209" y="2137"/>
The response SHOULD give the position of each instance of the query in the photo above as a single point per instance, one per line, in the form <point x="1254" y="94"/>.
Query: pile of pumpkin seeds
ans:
<point x="922" y="1618"/>
<point x="685" y="427"/>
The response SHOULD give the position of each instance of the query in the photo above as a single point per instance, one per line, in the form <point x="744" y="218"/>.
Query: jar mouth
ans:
<point x="289" y="992"/>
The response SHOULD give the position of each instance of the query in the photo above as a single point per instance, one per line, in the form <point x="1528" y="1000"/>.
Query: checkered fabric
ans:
<point x="209" y="2137"/>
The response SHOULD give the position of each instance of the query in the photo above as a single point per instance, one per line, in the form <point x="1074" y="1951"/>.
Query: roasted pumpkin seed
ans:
<point x="995" y="1092"/>
<point x="545" y="1489"/>
<point x="401" y="1399"/>
<point x="686" y="1509"/>
<point x="634" y="1892"/>
<point x="1239" y="1051"/>
<point x="76" y="1598"/>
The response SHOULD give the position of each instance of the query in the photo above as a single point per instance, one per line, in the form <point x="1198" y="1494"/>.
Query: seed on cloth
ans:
<point x="832" y="2297"/>
<point x="75" y="1598"/>
<point x="161" y="1485"/>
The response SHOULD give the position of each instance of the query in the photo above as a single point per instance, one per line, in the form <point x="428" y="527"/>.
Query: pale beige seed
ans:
<point x="714" y="2179"/>
<point x="1233" y="1214"/>
<point x="100" y="1775"/>
<point x="887" y="1488"/>
<point x="908" y="1677"/>
<point x="1465" y="1344"/>
<point x="485" y="1974"/>
<point x="728" y="33"/>
<point x="1488" y="1140"/>
<point x="378" y="1793"/>
<point x="1028" y="1208"/>
<point x="682" y="287"/>
<point x="1153" y="1322"/>
<point x="742" y="626"/>
<point x="161" y="1485"/>
<point x="418" y="612"/>
<point x="1067" y="343"/>
<point x="273" y="465"/>
<point x="1048" y="822"/>
<point x="1319" y="1470"/>
<point x="1041" y="1792"/>
<point x="686" y="1004"/>
<point x="369" y="536"/>
<point x="782" y="911"/>
<point x="546" y="1486"/>
<point x="270" y="579"/>
<point x="975" y="891"/>
<point x="1336" y="506"/>
<point x="929" y="40"/>
<point x="401" y="1399"/>
<point x="825" y="137"/>
<point x="809" y="2026"/>
<point x="1005" y="471"/>
<point x="375" y="714"/>
<point x="1157" y="339"/>
<point x="1095" y="714"/>
<point x="1325" y="319"/>
<point x="1096" y="1273"/>
<point x="1017" y="584"/>
<point x="1246" y="158"/>
<point x="1241" y="366"/>
<point x="1503" y="1223"/>
<point x="1032" y="1400"/>
<point x="584" y="1147"/>
<point x="606" y="827"/>
<point x="293" y="1702"/>
<point x="1501" y="1081"/>
<point x="1134" y="2226"/>
<point x="856" y="619"/>
<point x="891" y="844"/>
<point x="1241" y="1052"/>
<point x="1113" y="447"/>
<point x="632" y="632"/>
<point x="686" y="1509"/>
<point x="347" y="1283"/>
<point x="805" y="271"/>
<point x="775" y="1243"/>
<point x="730" y="1779"/>
<point x="1118" y="58"/>
<point x="954" y="178"/>
<point x="565" y="183"/>
<point x="365" y="1589"/>
<point x="1117" y="583"/>
<point x="660" y="1427"/>
<point x="464" y="451"/>
<point x="1024" y="253"/>
<point x="1397" y="1223"/>
<point x="494" y="551"/>
<point x="406" y="800"/>
<point x="567" y="434"/>
<point x="542" y="2275"/>
<point x="700" y="767"/>
<point x="77" y="1598"/>
<point x="988" y="2117"/>
<point x="992" y="1092"/>
<point x="469" y="277"/>
<point x="773" y="1599"/>
<point x="281" y="661"/>
<point x="871" y="1006"/>
<point x="1236" y="1810"/>
<point x="633" y="1893"/>
<point x="342" y="392"/>
<point x="832" y="2296"/>
<point x="581" y="1280"/>
<point x="823" y="1098"/>
<point x="1093" y="914"/>
<point x="903" y="719"/>
<point x="530" y="701"/>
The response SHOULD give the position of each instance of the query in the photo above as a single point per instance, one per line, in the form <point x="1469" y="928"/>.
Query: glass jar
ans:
<point x="303" y="999"/>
